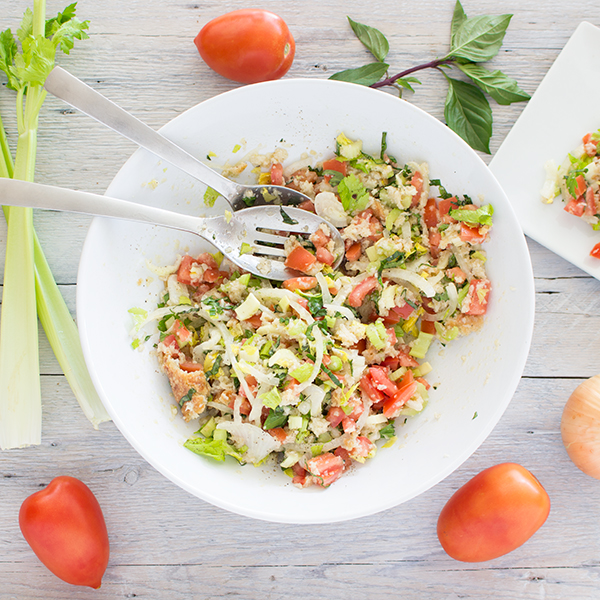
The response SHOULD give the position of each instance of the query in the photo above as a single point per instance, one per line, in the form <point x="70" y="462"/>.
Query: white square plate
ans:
<point x="563" y="109"/>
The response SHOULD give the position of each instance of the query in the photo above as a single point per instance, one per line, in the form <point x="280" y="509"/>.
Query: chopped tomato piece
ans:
<point x="277" y="174"/>
<point x="417" y="182"/>
<point x="300" y="259"/>
<point x="181" y="332"/>
<point x="348" y="425"/>
<point x="170" y="340"/>
<point x="344" y="455"/>
<point x="424" y="381"/>
<point x="211" y="275"/>
<point x="358" y="408"/>
<point x="392" y="405"/>
<point x="333" y="164"/>
<point x="428" y="327"/>
<point x="430" y="213"/>
<point x="575" y="206"/>
<point x="367" y="386"/>
<point x="299" y="475"/>
<point x="478" y="295"/>
<point x="362" y="448"/>
<point x="456" y="274"/>
<point x="406" y="360"/>
<point x="278" y="433"/>
<point x="358" y="294"/>
<point x="471" y="234"/>
<point x="255" y="320"/>
<point x="381" y="380"/>
<point x="335" y="416"/>
<point x="580" y="180"/>
<point x="353" y="251"/>
<point x="189" y="367"/>
<point x="319" y="238"/>
<point x="444" y="205"/>
<point x="590" y="202"/>
<point x="184" y="270"/>
<point x="326" y="468"/>
<point x="435" y="237"/>
<point x="307" y="205"/>
<point x="302" y="284"/>
<point x="596" y="251"/>
<point x="324" y="256"/>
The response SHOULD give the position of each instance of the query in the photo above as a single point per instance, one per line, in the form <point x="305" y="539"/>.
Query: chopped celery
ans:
<point x="302" y="373"/>
<point x="421" y="345"/>
<point x="271" y="399"/>
<point x="220" y="434"/>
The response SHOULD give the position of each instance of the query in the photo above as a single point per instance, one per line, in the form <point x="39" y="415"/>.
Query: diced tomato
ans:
<point x="299" y="475"/>
<point x="575" y="206"/>
<point x="302" y="284"/>
<point x="587" y="138"/>
<point x="189" y="367"/>
<point x="212" y="275"/>
<point x="596" y="251"/>
<point x="170" y="340"/>
<point x="325" y="257"/>
<point x="245" y="406"/>
<point x="428" y="327"/>
<point x="206" y="258"/>
<point x="590" y="202"/>
<point x="358" y="408"/>
<point x="392" y="405"/>
<point x="319" y="238"/>
<point x="405" y="310"/>
<point x="303" y="302"/>
<point x="471" y="234"/>
<point x="367" y="386"/>
<point x="278" y="433"/>
<point x="300" y="259"/>
<point x="430" y="213"/>
<point x="391" y="334"/>
<point x="417" y="182"/>
<point x="478" y="295"/>
<point x="381" y="380"/>
<point x="444" y="205"/>
<point x="348" y="425"/>
<point x="184" y="270"/>
<point x="344" y="455"/>
<point x="581" y="185"/>
<point x="353" y="251"/>
<point x="251" y="381"/>
<point x="326" y="468"/>
<point x="335" y="416"/>
<point x="361" y="290"/>
<point x="456" y="274"/>
<point x="277" y="174"/>
<point x="590" y="145"/>
<point x="362" y="448"/>
<point x="333" y="164"/>
<point x="181" y="332"/>
<point x="406" y="360"/>
<point x="307" y="205"/>
<point x="255" y="320"/>
<point x="435" y="237"/>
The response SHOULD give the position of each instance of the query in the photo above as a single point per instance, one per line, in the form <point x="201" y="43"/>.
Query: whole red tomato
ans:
<point x="64" y="525"/>
<point x="247" y="45"/>
<point x="493" y="513"/>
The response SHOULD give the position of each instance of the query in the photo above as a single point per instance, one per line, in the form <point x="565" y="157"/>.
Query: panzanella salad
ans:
<point x="314" y="371"/>
<point x="577" y="181"/>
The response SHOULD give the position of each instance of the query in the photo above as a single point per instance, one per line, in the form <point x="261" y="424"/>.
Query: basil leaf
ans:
<point x="373" y="40"/>
<point x="468" y="113"/>
<point x="458" y="19"/>
<point x="503" y="89"/>
<point x="286" y="218"/>
<point x="276" y="418"/>
<point x="406" y="82"/>
<point x="365" y="75"/>
<point x="479" y="38"/>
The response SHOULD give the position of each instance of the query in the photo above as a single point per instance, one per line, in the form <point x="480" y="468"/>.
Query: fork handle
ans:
<point x="14" y="192"/>
<point x="73" y="91"/>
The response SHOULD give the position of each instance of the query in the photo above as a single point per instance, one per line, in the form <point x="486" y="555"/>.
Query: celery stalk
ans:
<point x="28" y="283"/>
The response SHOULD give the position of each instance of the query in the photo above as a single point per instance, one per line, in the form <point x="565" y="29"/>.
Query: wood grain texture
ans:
<point x="168" y="544"/>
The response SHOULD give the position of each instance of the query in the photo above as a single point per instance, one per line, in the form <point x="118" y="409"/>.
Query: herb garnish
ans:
<point x="473" y="40"/>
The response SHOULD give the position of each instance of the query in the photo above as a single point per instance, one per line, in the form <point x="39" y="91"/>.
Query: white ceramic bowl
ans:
<point x="476" y="375"/>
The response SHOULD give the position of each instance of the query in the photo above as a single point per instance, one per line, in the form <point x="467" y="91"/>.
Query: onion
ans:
<point x="580" y="427"/>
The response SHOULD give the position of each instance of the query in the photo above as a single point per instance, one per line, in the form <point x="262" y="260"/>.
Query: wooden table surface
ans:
<point x="167" y="544"/>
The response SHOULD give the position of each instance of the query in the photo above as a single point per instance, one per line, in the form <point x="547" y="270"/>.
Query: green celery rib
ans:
<point x="20" y="394"/>
<point x="61" y="332"/>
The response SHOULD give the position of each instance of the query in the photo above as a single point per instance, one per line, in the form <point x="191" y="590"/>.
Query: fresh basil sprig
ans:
<point x="473" y="40"/>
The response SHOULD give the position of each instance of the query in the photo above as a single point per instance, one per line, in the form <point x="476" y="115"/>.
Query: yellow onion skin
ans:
<point x="580" y="426"/>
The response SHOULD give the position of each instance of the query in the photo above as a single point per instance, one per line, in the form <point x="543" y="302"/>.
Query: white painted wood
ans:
<point x="168" y="544"/>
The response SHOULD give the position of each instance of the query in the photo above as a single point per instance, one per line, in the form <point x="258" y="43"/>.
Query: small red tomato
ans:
<point x="247" y="45"/>
<point x="493" y="514"/>
<point x="64" y="525"/>
<point x="596" y="251"/>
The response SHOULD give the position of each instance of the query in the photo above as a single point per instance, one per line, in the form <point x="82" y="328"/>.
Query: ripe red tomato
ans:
<point x="247" y="45"/>
<point x="64" y="525"/>
<point x="493" y="514"/>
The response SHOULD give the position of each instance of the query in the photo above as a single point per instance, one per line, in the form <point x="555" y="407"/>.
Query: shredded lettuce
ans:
<point x="353" y="194"/>
<point x="480" y="216"/>
<point x="216" y="449"/>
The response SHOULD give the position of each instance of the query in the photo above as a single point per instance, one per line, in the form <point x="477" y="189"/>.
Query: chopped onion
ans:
<point x="415" y="279"/>
<point x="324" y="288"/>
<point x="343" y="310"/>
<point x="260" y="443"/>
